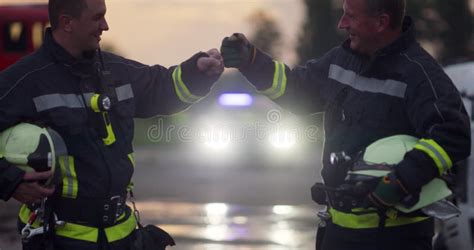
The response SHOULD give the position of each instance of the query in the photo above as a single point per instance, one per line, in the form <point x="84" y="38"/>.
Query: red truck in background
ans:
<point x="21" y="31"/>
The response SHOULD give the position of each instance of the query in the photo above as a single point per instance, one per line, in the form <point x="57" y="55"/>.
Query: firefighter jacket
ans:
<point x="51" y="88"/>
<point x="399" y="90"/>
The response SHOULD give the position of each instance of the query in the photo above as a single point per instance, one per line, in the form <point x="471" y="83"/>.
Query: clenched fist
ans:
<point x="212" y="65"/>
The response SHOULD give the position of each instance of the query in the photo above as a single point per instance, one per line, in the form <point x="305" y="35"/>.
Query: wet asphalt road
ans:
<point x="232" y="202"/>
<point x="213" y="201"/>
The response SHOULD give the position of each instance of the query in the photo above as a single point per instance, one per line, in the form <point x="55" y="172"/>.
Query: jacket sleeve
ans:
<point x="12" y="109"/>
<point x="299" y="90"/>
<point x="436" y="111"/>
<point x="10" y="178"/>
<point x="162" y="91"/>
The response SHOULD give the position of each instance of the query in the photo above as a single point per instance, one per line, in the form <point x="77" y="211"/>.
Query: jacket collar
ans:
<point x="401" y="43"/>
<point x="59" y="54"/>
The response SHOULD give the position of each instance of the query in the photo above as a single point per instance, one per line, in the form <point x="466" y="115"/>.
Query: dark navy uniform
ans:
<point x="51" y="88"/>
<point x="399" y="90"/>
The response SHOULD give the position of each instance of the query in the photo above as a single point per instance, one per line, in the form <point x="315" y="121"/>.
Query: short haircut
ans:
<point x="57" y="8"/>
<point x="395" y="9"/>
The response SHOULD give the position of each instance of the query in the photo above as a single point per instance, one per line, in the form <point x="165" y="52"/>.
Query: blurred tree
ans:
<point x="266" y="34"/>
<point x="458" y="38"/>
<point x="444" y="27"/>
<point x="319" y="33"/>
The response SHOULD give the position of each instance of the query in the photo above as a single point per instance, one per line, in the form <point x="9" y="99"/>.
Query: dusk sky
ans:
<point x="170" y="31"/>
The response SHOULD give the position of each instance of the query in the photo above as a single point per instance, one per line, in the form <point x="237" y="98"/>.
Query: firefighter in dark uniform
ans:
<point x="378" y="83"/>
<point x="90" y="98"/>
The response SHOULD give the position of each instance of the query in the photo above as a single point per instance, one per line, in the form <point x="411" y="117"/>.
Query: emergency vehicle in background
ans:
<point x="21" y="31"/>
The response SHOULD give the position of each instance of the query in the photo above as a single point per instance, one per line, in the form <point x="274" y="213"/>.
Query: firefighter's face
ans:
<point x="89" y="27"/>
<point x="361" y="27"/>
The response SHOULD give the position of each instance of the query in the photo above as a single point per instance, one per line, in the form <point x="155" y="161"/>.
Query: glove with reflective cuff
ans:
<point x="237" y="51"/>
<point x="416" y="170"/>
<point x="388" y="192"/>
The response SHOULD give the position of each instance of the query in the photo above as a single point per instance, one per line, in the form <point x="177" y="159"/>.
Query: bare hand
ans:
<point x="30" y="190"/>
<point x="212" y="65"/>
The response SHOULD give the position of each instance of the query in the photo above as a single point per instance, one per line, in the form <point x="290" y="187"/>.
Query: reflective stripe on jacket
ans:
<point x="51" y="88"/>
<point x="122" y="229"/>
<point x="401" y="89"/>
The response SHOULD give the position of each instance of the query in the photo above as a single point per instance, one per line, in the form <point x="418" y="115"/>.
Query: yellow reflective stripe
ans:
<point x="68" y="230"/>
<point x="85" y="233"/>
<point x="25" y="214"/>
<point x="131" y="157"/>
<point x="130" y="187"/>
<point x="121" y="230"/>
<point x="181" y="90"/>
<point x="78" y="232"/>
<point x="369" y="220"/>
<point x="69" y="176"/>
<point x="110" y="139"/>
<point x="95" y="103"/>
<point x="114" y="233"/>
<point x="278" y="87"/>
<point x="437" y="153"/>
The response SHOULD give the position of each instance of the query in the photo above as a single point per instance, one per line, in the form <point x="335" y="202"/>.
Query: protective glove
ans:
<point x="237" y="51"/>
<point x="388" y="192"/>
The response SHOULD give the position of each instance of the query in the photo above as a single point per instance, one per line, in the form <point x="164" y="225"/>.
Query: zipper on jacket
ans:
<point x="96" y="144"/>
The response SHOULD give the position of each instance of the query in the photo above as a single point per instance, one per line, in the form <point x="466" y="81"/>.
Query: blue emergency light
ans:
<point x="235" y="99"/>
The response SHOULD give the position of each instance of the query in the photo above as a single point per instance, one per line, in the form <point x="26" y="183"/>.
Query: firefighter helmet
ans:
<point x="32" y="148"/>
<point x="378" y="159"/>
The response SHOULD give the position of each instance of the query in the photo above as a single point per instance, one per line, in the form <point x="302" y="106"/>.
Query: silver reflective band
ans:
<point x="348" y="77"/>
<point x="51" y="101"/>
<point x="88" y="96"/>
<point x="124" y="92"/>
<point x="444" y="164"/>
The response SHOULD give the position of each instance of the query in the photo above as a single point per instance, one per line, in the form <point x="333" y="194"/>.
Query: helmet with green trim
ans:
<point x="379" y="158"/>
<point x="32" y="148"/>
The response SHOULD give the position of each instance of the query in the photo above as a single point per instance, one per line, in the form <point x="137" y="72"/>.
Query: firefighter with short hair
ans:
<point x="90" y="99"/>
<point x="379" y="83"/>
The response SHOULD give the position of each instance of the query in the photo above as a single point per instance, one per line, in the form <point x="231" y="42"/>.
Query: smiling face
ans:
<point x="88" y="28"/>
<point x="361" y="27"/>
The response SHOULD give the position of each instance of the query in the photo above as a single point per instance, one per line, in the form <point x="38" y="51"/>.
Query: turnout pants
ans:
<point x="416" y="236"/>
<point x="61" y="243"/>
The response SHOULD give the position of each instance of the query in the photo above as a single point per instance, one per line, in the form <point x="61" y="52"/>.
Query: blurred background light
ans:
<point x="217" y="139"/>
<point x="282" y="209"/>
<point x="283" y="139"/>
<point x="235" y="99"/>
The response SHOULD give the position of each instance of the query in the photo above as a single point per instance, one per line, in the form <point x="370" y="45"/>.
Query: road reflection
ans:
<point x="214" y="226"/>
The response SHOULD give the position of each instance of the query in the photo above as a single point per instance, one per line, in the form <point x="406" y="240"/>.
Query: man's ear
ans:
<point x="383" y="23"/>
<point x="65" y="23"/>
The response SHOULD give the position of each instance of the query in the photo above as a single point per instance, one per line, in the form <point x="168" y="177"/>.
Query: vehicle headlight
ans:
<point x="217" y="139"/>
<point x="284" y="139"/>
